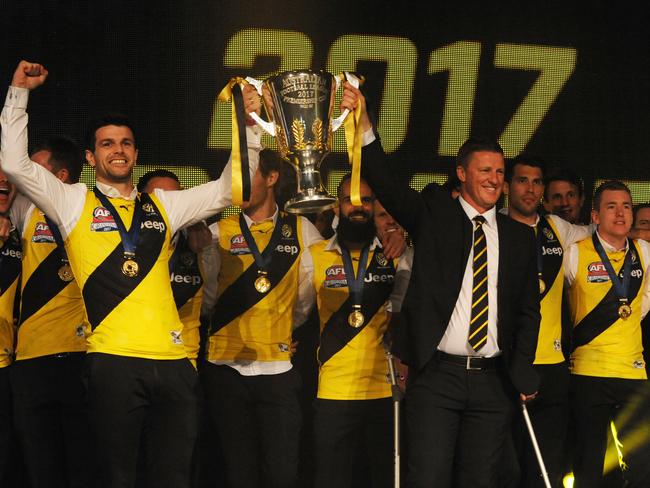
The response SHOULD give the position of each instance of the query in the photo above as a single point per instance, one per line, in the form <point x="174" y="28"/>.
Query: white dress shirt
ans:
<point x="454" y="341"/>
<point x="63" y="203"/>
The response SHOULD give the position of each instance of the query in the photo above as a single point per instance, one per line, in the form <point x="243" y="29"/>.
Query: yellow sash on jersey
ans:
<point x="10" y="264"/>
<point x="134" y="317"/>
<point x="617" y="351"/>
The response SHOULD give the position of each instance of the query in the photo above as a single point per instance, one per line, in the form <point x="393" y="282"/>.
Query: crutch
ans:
<point x="397" y="398"/>
<point x="533" y="440"/>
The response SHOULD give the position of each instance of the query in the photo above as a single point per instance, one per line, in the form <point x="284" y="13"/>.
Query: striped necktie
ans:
<point x="478" y="326"/>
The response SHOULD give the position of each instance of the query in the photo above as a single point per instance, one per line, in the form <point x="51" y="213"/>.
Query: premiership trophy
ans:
<point x="299" y="105"/>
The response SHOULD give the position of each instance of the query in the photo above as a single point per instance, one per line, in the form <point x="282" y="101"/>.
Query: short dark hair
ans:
<point x="562" y="174"/>
<point x="65" y="153"/>
<point x="612" y="185"/>
<point x="117" y="119"/>
<point x="524" y="159"/>
<point x="285" y="188"/>
<point x="476" y="144"/>
<point x="638" y="207"/>
<point x="156" y="173"/>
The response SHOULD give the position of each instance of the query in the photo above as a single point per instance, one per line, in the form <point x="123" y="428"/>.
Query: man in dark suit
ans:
<point x="471" y="314"/>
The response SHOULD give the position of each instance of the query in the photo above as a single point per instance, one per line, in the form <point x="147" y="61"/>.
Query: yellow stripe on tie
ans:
<point x="479" y="300"/>
<point x="477" y="330"/>
<point x="480" y="269"/>
<point x="477" y="286"/>
<point x="476" y="346"/>
<point x="481" y="313"/>
<point x="477" y="241"/>
<point x="480" y="254"/>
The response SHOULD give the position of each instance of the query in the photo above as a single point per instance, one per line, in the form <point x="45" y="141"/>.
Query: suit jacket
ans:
<point x="442" y="236"/>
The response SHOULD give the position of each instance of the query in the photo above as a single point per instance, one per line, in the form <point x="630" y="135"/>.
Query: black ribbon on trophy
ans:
<point x="129" y="238"/>
<point x="621" y="286"/>
<point x="355" y="283"/>
<point x="65" y="271"/>
<point x="262" y="259"/>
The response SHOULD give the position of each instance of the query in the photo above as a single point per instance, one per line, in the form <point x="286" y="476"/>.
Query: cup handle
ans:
<point x="354" y="81"/>
<point x="269" y="127"/>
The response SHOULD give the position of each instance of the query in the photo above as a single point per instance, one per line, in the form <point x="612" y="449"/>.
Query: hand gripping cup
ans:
<point x="299" y="105"/>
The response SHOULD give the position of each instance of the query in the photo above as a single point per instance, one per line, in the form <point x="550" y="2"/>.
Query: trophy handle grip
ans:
<point x="269" y="127"/>
<point x="354" y="81"/>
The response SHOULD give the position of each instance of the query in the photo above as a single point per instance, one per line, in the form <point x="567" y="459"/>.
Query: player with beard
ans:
<point x="10" y="256"/>
<point x="354" y="284"/>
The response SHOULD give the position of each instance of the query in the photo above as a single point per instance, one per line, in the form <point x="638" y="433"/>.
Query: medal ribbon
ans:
<point x="56" y="233"/>
<point x="621" y="287"/>
<point x="353" y="139"/>
<point x="241" y="184"/>
<point x="130" y="237"/>
<point x="355" y="283"/>
<point x="263" y="259"/>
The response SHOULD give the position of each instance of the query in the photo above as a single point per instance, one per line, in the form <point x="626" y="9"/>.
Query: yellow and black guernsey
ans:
<point x="52" y="317"/>
<point x="550" y="255"/>
<point x="10" y="264"/>
<point x="187" y="288"/>
<point x="129" y="316"/>
<point x="605" y="344"/>
<point x="352" y="360"/>
<point x="246" y="324"/>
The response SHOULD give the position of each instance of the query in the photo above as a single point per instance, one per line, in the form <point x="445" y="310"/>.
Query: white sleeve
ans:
<point x="570" y="264"/>
<point x="186" y="207"/>
<point x="645" y="252"/>
<point x="61" y="202"/>
<point x="402" y="278"/>
<point x="571" y="233"/>
<point x="310" y="234"/>
<point x="306" y="292"/>
<point x="210" y="263"/>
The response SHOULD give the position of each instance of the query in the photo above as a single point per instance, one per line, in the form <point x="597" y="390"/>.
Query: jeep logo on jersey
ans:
<point x="557" y="250"/>
<point x="194" y="280"/>
<point x="379" y="278"/>
<point x="293" y="250"/>
<point x="597" y="273"/>
<point x="12" y="253"/>
<point x="153" y="224"/>
<point x="102" y="220"/>
<point x="335" y="277"/>
<point x="42" y="233"/>
<point x="238" y="245"/>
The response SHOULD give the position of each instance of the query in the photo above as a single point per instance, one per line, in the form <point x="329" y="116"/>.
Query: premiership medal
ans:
<point x="356" y="319"/>
<point x="262" y="283"/>
<point x="542" y="286"/>
<point x="624" y="311"/>
<point x="65" y="273"/>
<point x="130" y="268"/>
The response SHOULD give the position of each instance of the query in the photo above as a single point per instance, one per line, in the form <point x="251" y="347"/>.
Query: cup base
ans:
<point x="306" y="204"/>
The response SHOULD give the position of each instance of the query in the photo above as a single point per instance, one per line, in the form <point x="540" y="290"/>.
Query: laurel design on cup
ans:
<point x="298" y="131"/>
<point x="317" y="131"/>
<point x="281" y="139"/>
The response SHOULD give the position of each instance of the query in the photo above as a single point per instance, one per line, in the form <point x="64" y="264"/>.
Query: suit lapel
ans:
<point x="503" y="264"/>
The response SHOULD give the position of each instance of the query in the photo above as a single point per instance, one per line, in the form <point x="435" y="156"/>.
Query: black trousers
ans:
<point x="258" y="420"/>
<point x="350" y="435"/>
<point x="595" y="401"/>
<point x="51" y="420"/>
<point x="457" y="422"/>
<point x="549" y="414"/>
<point x="6" y="422"/>
<point x="153" y="403"/>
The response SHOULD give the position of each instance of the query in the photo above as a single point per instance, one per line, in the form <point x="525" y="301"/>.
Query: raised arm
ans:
<point x="62" y="203"/>
<point x="401" y="201"/>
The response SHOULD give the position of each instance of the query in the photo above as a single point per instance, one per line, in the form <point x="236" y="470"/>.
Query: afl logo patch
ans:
<point x="42" y="233"/>
<point x="238" y="245"/>
<point x="335" y="277"/>
<point x="597" y="273"/>
<point x="102" y="221"/>
<point x="286" y="231"/>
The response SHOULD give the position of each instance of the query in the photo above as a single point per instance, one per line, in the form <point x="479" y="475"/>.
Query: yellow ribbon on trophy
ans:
<point x="241" y="184"/>
<point x="353" y="139"/>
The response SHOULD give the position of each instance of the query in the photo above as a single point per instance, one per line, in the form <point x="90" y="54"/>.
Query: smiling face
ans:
<point x="564" y="200"/>
<point x="482" y="179"/>
<point x="613" y="215"/>
<point x="525" y="189"/>
<point x="7" y="193"/>
<point x="115" y="154"/>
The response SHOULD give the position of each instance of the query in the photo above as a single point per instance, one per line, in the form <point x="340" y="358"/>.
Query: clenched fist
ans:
<point x="29" y="75"/>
